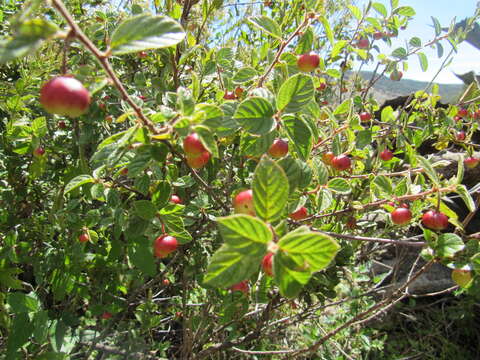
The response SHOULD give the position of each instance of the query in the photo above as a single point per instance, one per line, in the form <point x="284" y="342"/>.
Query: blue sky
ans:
<point x="467" y="58"/>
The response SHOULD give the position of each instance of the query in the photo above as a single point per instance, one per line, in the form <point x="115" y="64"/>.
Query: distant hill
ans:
<point x="387" y="89"/>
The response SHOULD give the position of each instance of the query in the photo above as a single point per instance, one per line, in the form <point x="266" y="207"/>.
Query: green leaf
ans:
<point x="429" y="170"/>
<point x="439" y="50"/>
<point x="161" y="195"/>
<point x="39" y="126"/>
<point x="256" y="145"/>
<point x="38" y="28"/>
<point x="310" y="250"/>
<point x="300" y="135"/>
<point x="140" y="162"/>
<point x="270" y="190"/>
<point x="40" y="322"/>
<point x="140" y="254"/>
<point x="266" y="24"/>
<point x="20" y="302"/>
<point x="255" y="115"/>
<point x="305" y="42"/>
<point x="145" y="209"/>
<point x="295" y="93"/>
<point x="466" y="197"/>
<point x="325" y="199"/>
<point x="384" y="184"/>
<point x="8" y="278"/>
<point x="460" y="169"/>
<point x="339" y="185"/>
<point x="229" y="266"/>
<point x="240" y="230"/>
<point x="17" y="47"/>
<point x="334" y="73"/>
<point x="364" y="138"/>
<point x="144" y="32"/>
<point x="289" y="277"/>
<point x="423" y="61"/>
<point x="78" y="181"/>
<point x="399" y="53"/>
<point x="185" y="102"/>
<point x="355" y="12"/>
<point x="437" y="26"/>
<point x="244" y="74"/>
<point x="380" y="8"/>
<point x="327" y="28"/>
<point x="305" y="173"/>
<point x="292" y="170"/>
<point x="207" y="139"/>
<point x="338" y="47"/>
<point x="405" y="11"/>
<point x="448" y="245"/>
<point x="343" y="108"/>
<point x="19" y="334"/>
<point x="29" y="37"/>
<point x="225" y="57"/>
<point x="213" y="115"/>
<point x="387" y="114"/>
<point x="415" y="42"/>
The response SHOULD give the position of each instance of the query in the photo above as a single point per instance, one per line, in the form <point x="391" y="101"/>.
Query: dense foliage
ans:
<point x="219" y="177"/>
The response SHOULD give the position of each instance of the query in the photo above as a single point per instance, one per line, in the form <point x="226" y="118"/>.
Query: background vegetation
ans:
<point x="159" y="71"/>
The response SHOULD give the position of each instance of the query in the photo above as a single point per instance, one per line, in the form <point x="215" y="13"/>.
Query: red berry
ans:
<point x="38" y="152"/>
<point x="193" y="146"/>
<point x="401" y="216"/>
<point x="83" y="237"/>
<point x="341" y="162"/>
<point x="322" y="86"/>
<point x="351" y="223"/>
<point x="241" y="286"/>
<point x="238" y="91"/>
<point x="461" y="136"/>
<point x="106" y="315"/>
<point x="142" y="54"/>
<point x="363" y="43"/>
<point x="308" y="62"/>
<point x="386" y="155"/>
<point x="243" y="203"/>
<point x="378" y="35"/>
<point x="365" y="116"/>
<point x="396" y="75"/>
<point x="175" y="199"/>
<point x="166" y="282"/>
<point x="471" y="162"/>
<point x="64" y="95"/>
<point x="197" y="162"/>
<point x="229" y="95"/>
<point x="267" y="264"/>
<point x="278" y="149"/>
<point x="435" y="220"/>
<point x="328" y="157"/>
<point x="164" y="245"/>
<point x="299" y="214"/>
<point x="462" y="113"/>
